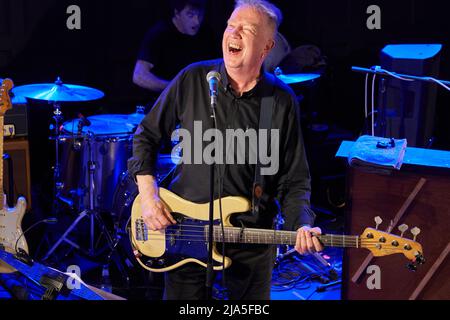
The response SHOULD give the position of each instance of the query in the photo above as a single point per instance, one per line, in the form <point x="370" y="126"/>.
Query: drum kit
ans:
<point x="90" y="170"/>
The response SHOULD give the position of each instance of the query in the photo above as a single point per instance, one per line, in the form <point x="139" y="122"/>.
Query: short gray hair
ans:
<point x="273" y="13"/>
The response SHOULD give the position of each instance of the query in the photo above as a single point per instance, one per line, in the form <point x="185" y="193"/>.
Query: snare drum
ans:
<point x="109" y="140"/>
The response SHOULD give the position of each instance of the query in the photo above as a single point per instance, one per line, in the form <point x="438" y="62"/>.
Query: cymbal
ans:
<point x="58" y="92"/>
<point x="298" y="77"/>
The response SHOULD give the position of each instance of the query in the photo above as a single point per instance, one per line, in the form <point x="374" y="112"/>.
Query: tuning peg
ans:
<point x="378" y="221"/>
<point x="403" y="229"/>
<point x="415" y="232"/>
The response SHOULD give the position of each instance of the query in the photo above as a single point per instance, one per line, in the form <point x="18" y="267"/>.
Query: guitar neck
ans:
<point x="265" y="236"/>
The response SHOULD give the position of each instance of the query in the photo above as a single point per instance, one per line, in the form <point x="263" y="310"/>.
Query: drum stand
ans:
<point x="90" y="213"/>
<point x="58" y="185"/>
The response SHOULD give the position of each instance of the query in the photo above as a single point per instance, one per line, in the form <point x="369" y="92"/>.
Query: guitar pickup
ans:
<point x="141" y="230"/>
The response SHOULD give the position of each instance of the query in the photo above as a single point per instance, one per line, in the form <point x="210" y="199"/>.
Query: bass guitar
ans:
<point x="187" y="241"/>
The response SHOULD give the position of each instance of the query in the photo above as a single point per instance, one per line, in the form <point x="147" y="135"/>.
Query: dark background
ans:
<point x="36" y="46"/>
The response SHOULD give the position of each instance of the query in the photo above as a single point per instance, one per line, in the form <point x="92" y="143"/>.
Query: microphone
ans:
<point x="213" y="78"/>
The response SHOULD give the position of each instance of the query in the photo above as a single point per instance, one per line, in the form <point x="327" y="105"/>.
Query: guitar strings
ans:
<point x="205" y="241"/>
<point x="190" y="234"/>
<point x="336" y="237"/>
<point x="187" y="237"/>
<point x="196" y="236"/>
<point x="194" y="233"/>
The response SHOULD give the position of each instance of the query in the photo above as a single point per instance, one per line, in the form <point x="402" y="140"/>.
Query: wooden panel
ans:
<point x="373" y="195"/>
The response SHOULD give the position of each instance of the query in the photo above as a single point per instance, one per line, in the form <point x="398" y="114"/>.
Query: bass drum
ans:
<point x="124" y="195"/>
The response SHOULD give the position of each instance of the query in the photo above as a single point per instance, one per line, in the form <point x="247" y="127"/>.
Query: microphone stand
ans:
<point x="209" y="265"/>
<point x="383" y="72"/>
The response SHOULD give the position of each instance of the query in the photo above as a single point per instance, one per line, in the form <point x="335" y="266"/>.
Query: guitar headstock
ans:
<point x="5" y="99"/>
<point x="383" y="244"/>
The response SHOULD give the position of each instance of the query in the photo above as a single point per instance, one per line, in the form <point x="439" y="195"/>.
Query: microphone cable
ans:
<point x="22" y="252"/>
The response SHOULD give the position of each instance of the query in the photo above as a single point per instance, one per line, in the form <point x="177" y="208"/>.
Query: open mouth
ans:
<point x="234" y="48"/>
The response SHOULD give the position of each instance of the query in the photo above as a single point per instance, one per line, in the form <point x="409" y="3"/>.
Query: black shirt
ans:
<point x="170" y="50"/>
<point x="187" y="100"/>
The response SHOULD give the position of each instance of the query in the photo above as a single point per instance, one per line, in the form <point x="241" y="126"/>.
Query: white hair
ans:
<point x="273" y="13"/>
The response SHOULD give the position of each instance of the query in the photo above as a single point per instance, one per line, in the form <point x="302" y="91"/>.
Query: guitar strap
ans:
<point x="260" y="198"/>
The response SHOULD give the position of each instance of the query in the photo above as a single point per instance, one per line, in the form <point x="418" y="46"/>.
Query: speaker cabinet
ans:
<point x="407" y="109"/>
<point x="16" y="171"/>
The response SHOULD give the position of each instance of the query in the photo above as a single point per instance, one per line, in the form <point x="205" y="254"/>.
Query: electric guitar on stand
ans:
<point x="187" y="241"/>
<point x="10" y="218"/>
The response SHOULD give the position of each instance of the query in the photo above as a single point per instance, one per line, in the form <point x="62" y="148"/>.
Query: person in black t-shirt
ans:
<point x="171" y="45"/>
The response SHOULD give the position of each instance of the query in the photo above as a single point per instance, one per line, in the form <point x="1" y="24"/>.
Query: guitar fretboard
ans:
<point x="262" y="236"/>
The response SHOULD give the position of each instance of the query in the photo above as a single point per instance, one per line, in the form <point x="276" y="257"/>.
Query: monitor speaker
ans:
<point x="407" y="108"/>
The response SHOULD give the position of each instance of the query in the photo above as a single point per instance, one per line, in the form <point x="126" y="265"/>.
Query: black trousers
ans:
<point x="248" y="277"/>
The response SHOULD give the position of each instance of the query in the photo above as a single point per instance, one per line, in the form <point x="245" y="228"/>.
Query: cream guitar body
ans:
<point x="11" y="230"/>
<point x="158" y="250"/>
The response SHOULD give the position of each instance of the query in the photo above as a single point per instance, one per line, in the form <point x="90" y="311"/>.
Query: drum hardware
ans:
<point x="94" y="217"/>
<point x="58" y="185"/>
<point x="101" y="144"/>
<point x="111" y="146"/>
<point x="90" y="213"/>
<point x="55" y="94"/>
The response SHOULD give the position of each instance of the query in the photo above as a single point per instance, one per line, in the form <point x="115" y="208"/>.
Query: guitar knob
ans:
<point x="378" y="221"/>
<point x="415" y="232"/>
<point x="402" y="229"/>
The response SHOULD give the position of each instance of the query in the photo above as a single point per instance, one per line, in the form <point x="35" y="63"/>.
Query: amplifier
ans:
<point x="16" y="119"/>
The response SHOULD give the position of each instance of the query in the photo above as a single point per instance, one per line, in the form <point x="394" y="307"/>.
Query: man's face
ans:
<point x="189" y="20"/>
<point x="247" y="39"/>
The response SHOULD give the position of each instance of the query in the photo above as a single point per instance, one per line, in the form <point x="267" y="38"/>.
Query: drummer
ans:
<point x="171" y="45"/>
